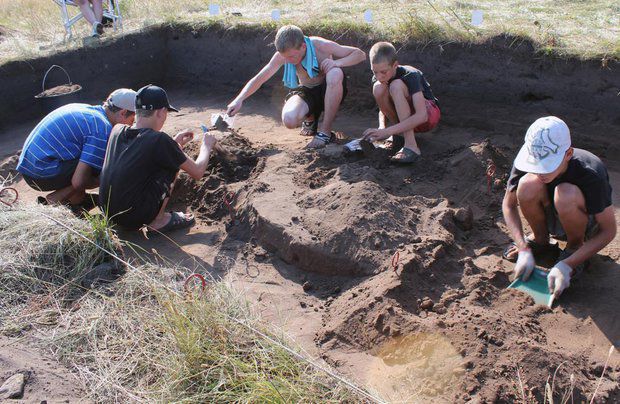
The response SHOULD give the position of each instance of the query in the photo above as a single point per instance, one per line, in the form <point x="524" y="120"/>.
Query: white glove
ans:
<point x="559" y="278"/>
<point x="525" y="265"/>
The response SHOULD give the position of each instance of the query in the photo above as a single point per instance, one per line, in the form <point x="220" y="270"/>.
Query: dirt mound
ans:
<point x="206" y="197"/>
<point x="333" y="215"/>
<point x="327" y="214"/>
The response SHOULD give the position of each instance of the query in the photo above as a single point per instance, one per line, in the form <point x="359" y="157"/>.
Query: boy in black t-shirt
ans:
<point x="141" y="164"/>
<point x="563" y="192"/>
<point x="405" y="98"/>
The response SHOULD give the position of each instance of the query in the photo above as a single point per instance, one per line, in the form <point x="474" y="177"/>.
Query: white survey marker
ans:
<point x="476" y="18"/>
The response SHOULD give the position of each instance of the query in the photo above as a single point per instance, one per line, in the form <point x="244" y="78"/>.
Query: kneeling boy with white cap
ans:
<point x="563" y="192"/>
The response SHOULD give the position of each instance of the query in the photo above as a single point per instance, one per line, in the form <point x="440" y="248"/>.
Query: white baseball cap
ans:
<point x="123" y="98"/>
<point x="546" y="142"/>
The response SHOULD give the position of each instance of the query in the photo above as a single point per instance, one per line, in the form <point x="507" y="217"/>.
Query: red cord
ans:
<point x="2" y="194"/>
<point x="395" y="259"/>
<point x="203" y="282"/>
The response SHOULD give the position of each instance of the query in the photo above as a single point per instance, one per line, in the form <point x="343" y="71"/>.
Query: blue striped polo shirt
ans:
<point x="70" y="132"/>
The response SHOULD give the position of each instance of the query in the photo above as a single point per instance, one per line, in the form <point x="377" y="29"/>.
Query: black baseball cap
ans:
<point x="152" y="97"/>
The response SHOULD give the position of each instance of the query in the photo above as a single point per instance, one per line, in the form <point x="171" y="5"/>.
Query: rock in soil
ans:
<point x="13" y="387"/>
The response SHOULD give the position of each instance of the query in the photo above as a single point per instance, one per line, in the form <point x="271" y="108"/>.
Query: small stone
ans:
<point x="307" y="286"/>
<point x="464" y="218"/>
<point x="303" y="305"/>
<point x="423" y="314"/>
<point x="481" y="334"/>
<point x="13" y="387"/>
<point x="427" y="304"/>
<point x="337" y="290"/>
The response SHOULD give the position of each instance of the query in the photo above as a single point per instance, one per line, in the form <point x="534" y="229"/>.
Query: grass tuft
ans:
<point x="141" y="338"/>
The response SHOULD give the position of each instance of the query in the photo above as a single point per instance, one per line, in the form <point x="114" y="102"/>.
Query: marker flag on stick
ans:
<point x="214" y="9"/>
<point x="476" y="18"/>
<point x="368" y="16"/>
<point x="275" y="15"/>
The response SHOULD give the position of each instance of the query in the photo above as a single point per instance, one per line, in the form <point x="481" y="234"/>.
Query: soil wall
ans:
<point x="503" y="70"/>
<point x="127" y="61"/>
<point x="464" y="76"/>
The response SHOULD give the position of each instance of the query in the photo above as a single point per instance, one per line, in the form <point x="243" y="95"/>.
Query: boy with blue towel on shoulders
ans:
<point x="313" y="73"/>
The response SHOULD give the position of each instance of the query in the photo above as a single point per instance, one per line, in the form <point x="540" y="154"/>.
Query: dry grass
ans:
<point x="582" y="28"/>
<point x="141" y="339"/>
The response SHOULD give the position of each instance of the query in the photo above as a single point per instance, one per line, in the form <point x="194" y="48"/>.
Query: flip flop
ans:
<point x="410" y="156"/>
<point x="309" y="128"/>
<point x="537" y="249"/>
<point x="176" y="222"/>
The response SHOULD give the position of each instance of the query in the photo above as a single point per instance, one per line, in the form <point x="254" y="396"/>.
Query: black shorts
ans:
<point x="66" y="169"/>
<point x="555" y="229"/>
<point x="315" y="96"/>
<point x="144" y="207"/>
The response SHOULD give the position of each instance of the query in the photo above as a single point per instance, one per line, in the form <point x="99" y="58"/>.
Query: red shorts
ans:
<point x="432" y="110"/>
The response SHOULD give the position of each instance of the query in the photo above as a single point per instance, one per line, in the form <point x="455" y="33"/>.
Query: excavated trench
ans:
<point x="419" y="245"/>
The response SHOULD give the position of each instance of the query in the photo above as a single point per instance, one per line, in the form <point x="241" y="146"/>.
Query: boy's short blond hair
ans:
<point x="382" y="52"/>
<point x="289" y="37"/>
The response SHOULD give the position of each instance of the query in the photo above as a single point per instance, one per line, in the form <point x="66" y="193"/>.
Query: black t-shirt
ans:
<point x="414" y="80"/>
<point x="587" y="172"/>
<point x="139" y="168"/>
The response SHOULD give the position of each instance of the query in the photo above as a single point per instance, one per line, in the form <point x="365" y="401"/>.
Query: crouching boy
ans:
<point x="405" y="99"/>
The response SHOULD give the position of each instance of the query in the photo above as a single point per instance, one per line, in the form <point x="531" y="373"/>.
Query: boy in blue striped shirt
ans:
<point x="64" y="153"/>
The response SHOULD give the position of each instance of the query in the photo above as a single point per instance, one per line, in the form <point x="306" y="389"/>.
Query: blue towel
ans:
<point x="309" y="62"/>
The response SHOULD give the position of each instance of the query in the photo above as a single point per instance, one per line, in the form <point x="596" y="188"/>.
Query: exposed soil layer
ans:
<point x="63" y="89"/>
<point x="233" y="164"/>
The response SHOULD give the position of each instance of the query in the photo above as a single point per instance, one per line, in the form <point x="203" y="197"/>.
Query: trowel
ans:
<point x="536" y="287"/>
<point x="221" y="122"/>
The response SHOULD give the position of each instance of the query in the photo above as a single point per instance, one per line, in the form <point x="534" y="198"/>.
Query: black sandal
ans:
<point x="324" y="138"/>
<point x="409" y="156"/>
<point x="309" y="128"/>
<point x="537" y="249"/>
<point x="177" y="221"/>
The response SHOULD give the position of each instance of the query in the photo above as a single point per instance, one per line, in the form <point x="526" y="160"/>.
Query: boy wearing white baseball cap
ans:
<point x="64" y="153"/>
<point x="563" y="192"/>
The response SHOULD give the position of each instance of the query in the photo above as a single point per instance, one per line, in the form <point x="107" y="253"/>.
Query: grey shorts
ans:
<point x="555" y="229"/>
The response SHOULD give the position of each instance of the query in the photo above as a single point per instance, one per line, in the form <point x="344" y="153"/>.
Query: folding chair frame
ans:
<point x="112" y="11"/>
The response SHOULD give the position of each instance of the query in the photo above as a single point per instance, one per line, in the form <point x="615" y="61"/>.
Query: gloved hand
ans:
<point x="559" y="278"/>
<point x="525" y="265"/>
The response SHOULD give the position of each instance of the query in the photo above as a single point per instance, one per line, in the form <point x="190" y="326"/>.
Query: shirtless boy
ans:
<point x="313" y="73"/>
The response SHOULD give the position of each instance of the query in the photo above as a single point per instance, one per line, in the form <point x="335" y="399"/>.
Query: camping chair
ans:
<point x="111" y="10"/>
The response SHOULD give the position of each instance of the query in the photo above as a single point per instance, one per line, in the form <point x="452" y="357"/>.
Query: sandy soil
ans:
<point x="314" y="237"/>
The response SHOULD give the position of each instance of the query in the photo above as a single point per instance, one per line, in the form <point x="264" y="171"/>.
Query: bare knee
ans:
<point x="334" y="77"/>
<point x="531" y="189"/>
<point x="397" y="88"/>
<point x="567" y="198"/>
<point x="380" y="90"/>
<point x="290" y="120"/>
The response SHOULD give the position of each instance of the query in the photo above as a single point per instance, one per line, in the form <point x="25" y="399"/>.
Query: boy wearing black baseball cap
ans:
<point x="142" y="163"/>
<point x="563" y="192"/>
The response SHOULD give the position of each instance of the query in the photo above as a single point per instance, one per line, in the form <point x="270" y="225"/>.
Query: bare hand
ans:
<point x="327" y="65"/>
<point x="209" y="141"/>
<point x="234" y="107"/>
<point x="183" y="137"/>
<point x="373" y="134"/>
